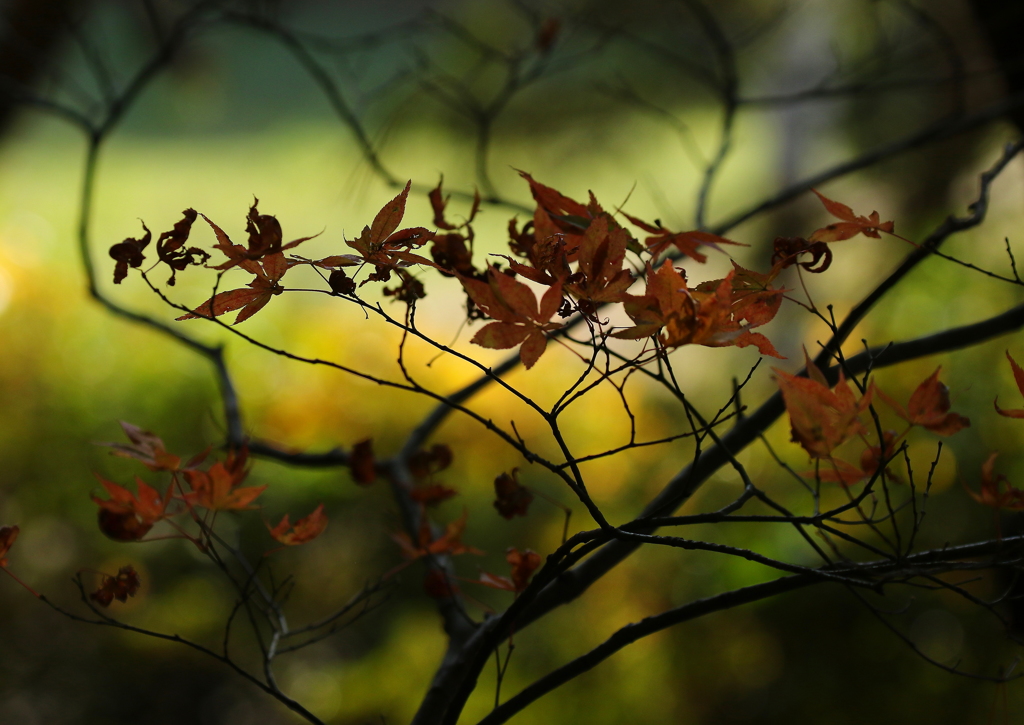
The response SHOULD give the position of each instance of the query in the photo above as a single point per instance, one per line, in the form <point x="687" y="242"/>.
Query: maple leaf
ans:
<point x="519" y="320"/>
<point x="822" y="419"/>
<point x="786" y="251"/>
<point x="129" y="254"/>
<point x="523" y="564"/>
<point x="557" y="214"/>
<point x="304" y="530"/>
<point x="687" y="243"/>
<point x="8" y="535"/>
<point x="511" y="498"/>
<point x="1018" y="376"/>
<point x="249" y="301"/>
<point x="716" y="314"/>
<point x="989" y="493"/>
<point x="929" y="407"/>
<point x="125" y="584"/>
<point x="601" y="255"/>
<point x="171" y="250"/>
<point x="219" y="487"/>
<point x="450" y="542"/>
<point x="362" y="464"/>
<point x="265" y="240"/>
<point x="384" y="245"/>
<point x="147" y="448"/>
<point x="851" y="224"/>
<point x="125" y="517"/>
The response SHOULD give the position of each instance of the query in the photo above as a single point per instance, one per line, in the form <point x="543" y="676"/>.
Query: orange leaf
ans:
<point x="821" y="419"/>
<point x="303" y="530"/>
<point x="929" y="407"/>
<point x="219" y="489"/>
<point x="851" y="224"/>
<point x="125" y="517"/>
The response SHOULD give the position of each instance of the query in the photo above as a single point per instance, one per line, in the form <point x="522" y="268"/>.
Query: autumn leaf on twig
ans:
<point x="851" y="224"/>
<point x="125" y="517"/>
<point x="304" y="530"/>
<point x="821" y="418"/>
<point x="518" y="319"/>
<point x="929" y="407"/>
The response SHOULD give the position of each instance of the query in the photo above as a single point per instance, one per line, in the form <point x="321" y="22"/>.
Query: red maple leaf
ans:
<point x="687" y="243"/>
<point x="851" y="224"/>
<point x="303" y="530"/>
<point x="821" y="418"/>
<point x="125" y="517"/>
<point x="518" y="319"/>
<point x="929" y="407"/>
<point x="219" y="487"/>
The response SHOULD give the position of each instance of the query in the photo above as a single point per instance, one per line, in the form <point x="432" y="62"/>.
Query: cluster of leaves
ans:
<point x="194" y="492"/>
<point x="432" y="539"/>
<point x="579" y="255"/>
<point x="824" y="417"/>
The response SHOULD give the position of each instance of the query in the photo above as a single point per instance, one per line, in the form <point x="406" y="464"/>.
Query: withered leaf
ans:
<point x="129" y="254"/>
<point x="125" y="584"/>
<point x="511" y="498"/>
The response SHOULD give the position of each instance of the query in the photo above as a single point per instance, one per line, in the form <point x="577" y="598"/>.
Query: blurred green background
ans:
<point x="620" y="111"/>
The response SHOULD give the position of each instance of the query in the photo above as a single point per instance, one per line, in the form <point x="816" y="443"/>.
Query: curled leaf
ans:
<point x="125" y="584"/>
<point x="129" y="254"/>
